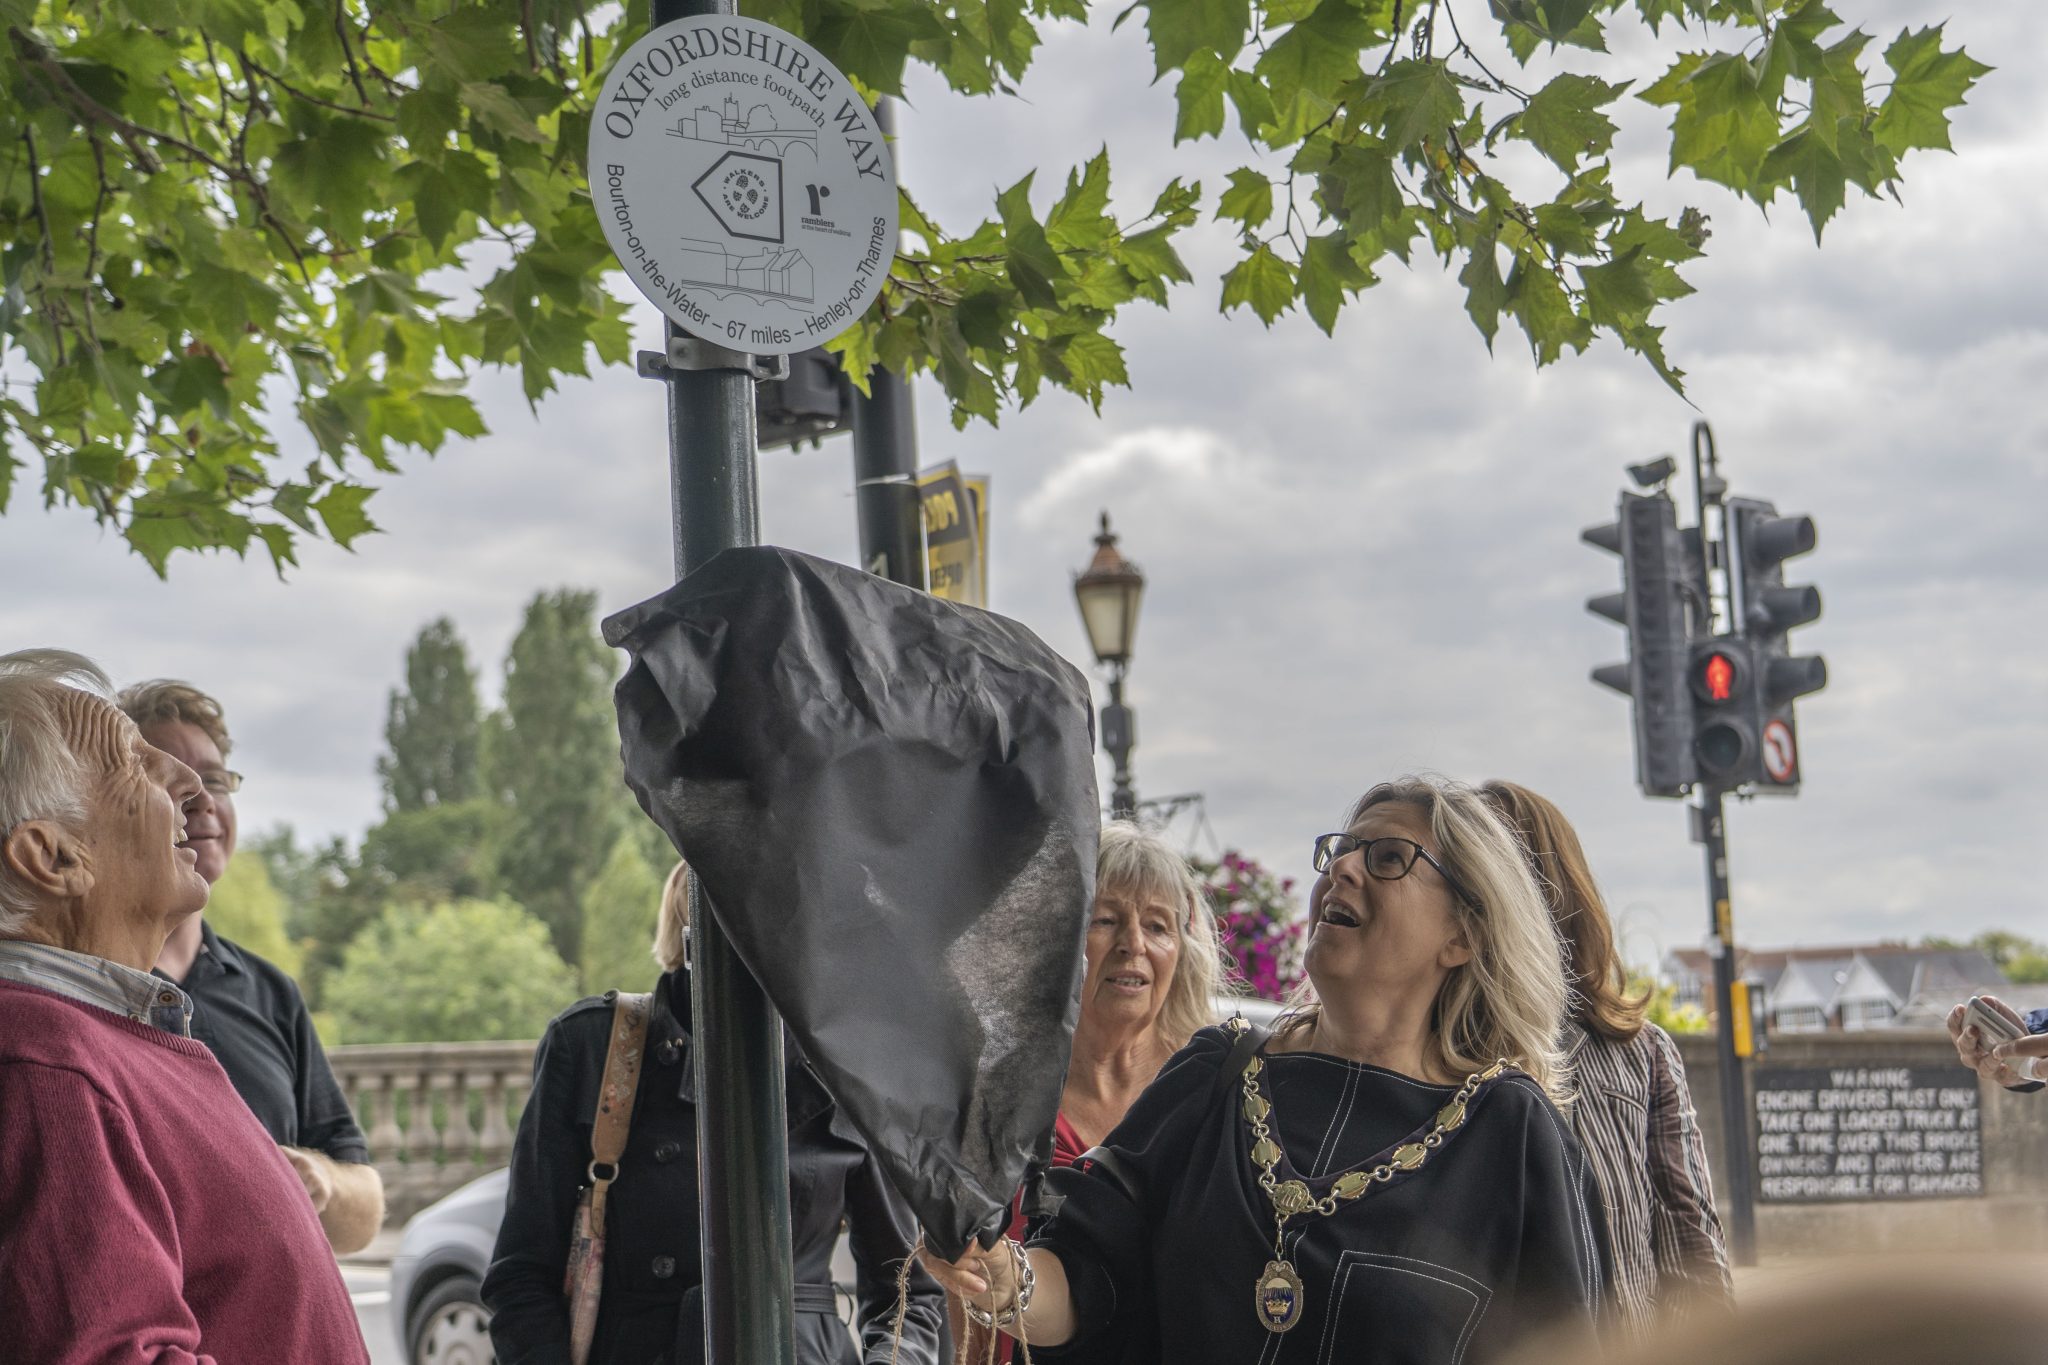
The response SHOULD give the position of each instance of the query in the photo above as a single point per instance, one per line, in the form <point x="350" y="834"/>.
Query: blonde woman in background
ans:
<point x="1632" y="1112"/>
<point x="1385" y="1180"/>
<point x="1152" y="969"/>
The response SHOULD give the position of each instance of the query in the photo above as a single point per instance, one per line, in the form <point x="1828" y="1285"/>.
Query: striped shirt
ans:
<point x="98" y="982"/>
<point x="1635" y="1118"/>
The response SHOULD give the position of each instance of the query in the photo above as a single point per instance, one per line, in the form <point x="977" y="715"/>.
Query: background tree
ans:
<point x="554" y="764"/>
<point x="206" y="206"/>
<point x="619" y="912"/>
<point x="432" y="726"/>
<point x="247" y="907"/>
<point x="456" y="972"/>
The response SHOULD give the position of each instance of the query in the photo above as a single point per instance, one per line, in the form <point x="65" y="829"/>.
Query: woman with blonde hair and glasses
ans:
<point x="1383" y="1179"/>
<point x="1633" y="1112"/>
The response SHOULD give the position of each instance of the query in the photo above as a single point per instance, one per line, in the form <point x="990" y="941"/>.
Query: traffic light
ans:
<point x="810" y="405"/>
<point x="1652" y="607"/>
<point x="1725" y="725"/>
<point x="1766" y="608"/>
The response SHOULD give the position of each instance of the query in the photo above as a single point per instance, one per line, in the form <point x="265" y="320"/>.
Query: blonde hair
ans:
<point x="167" y="699"/>
<point x="1135" y="862"/>
<point x="1511" y="999"/>
<point x="672" y="925"/>
<point x="41" y="777"/>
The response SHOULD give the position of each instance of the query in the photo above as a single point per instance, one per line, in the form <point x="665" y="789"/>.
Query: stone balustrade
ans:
<point x="437" y="1115"/>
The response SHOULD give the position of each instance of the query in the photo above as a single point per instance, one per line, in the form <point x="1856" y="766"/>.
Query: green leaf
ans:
<point x="1312" y="58"/>
<point x="1264" y="281"/>
<point x="493" y="106"/>
<point x="1249" y="200"/>
<point x="1485" y="292"/>
<point x="1926" y="84"/>
<point x="1149" y="255"/>
<point x="871" y="43"/>
<point x="1081" y="217"/>
<point x="1413" y="100"/>
<point x="1181" y="28"/>
<point x="1027" y="254"/>
<point x="1537" y="300"/>
<point x="1564" y="123"/>
<point x="1094" y="361"/>
<point x="341" y="511"/>
<point x="1815" y="173"/>
<point x="1329" y="274"/>
<point x="1359" y="186"/>
<point x="1723" y="126"/>
<point x="1619" y="293"/>
<point x="1200" y="98"/>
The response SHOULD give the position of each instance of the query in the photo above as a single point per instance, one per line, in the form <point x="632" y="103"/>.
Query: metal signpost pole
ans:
<point x="1735" y="1143"/>
<point x="885" y="464"/>
<point x="739" y="246"/>
<point x="742" y="1136"/>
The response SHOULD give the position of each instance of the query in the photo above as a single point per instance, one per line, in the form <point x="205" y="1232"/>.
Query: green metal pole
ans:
<point x="742" y="1136"/>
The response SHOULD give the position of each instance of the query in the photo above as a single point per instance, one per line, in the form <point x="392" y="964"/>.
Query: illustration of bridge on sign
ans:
<point x="756" y="131"/>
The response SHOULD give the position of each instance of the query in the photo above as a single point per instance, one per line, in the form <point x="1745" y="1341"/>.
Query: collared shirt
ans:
<point x="98" y="982"/>
<point x="252" y="1017"/>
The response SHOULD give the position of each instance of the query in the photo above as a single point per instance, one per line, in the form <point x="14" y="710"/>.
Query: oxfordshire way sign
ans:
<point x="743" y="184"/>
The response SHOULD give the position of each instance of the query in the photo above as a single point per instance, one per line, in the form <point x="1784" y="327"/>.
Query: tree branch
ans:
<point x="250" y="64"/>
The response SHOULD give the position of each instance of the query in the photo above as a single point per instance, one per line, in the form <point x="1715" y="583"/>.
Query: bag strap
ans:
<point x="614" y="1117"/>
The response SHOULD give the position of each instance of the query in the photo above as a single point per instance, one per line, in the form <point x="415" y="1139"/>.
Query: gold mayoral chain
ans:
<point x="1280" y="1295"/>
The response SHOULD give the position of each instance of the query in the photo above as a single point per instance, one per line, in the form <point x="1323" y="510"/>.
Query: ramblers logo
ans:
<point x="745" y="193"/>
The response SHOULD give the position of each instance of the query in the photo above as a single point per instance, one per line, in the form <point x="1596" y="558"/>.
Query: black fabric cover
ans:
<point x="890" y="802"/>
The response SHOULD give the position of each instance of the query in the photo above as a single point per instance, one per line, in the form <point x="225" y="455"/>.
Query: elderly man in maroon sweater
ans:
<point x="145" y="1216"/>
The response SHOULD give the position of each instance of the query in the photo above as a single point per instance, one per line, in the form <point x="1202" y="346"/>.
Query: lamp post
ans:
<point x="1108" y="592"/>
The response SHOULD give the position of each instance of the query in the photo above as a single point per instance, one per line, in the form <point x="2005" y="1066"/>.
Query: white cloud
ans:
<point x="1362" y="552"/>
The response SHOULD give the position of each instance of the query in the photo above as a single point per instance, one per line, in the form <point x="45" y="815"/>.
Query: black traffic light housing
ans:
<point x="1653" y="606"/>
<point x="814" y="402"/>
<point x="1722" y="680"/>
<point x="1766" y="608"/>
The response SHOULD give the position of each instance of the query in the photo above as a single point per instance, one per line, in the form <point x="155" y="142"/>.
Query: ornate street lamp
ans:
<point x="1108" y="592"/>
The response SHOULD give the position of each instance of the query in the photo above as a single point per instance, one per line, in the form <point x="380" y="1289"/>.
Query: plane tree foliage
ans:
<point x="253" y="253"/>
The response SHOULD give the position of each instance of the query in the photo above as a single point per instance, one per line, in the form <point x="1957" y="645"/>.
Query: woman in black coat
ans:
<point x="651" y="1310"/>
<point x="1383" y="1181"/>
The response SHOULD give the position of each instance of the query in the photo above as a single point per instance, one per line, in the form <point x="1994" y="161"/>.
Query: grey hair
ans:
<point x="1133" y="861"/>
<point x="40" y="777"/>
<point x="1512" y="999"/>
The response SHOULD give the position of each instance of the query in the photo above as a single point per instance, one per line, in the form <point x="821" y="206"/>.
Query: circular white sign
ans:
<point x="743" y="184"/>
<point x="1781" y="758"/>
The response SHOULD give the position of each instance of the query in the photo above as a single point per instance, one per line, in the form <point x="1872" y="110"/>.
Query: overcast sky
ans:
<point x="1363" y="552"/>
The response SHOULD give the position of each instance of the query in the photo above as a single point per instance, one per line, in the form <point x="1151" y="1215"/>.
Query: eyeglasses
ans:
<point x="1388" y="858"/>
<point x="220" y="782"/>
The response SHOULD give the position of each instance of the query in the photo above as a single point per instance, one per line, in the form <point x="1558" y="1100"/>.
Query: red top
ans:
<point x="149" y="1218"/>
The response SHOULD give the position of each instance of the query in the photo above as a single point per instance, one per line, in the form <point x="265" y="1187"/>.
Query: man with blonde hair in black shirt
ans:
<point x="246" y="1009"/>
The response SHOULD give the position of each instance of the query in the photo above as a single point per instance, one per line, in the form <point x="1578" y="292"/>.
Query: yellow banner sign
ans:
<point x="955" y="533"/>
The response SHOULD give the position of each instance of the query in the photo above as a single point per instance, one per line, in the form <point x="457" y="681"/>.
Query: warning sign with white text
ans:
<point x="1855" y="1133"/>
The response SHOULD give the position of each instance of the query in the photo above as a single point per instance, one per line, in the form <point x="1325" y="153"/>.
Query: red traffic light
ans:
<point x="1717" y="677"/>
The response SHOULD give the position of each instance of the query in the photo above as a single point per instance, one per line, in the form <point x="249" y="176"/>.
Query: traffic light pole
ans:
<point x="885" y="463"/>
<point x="742" y="1143"/>
<point x="1735" y="1143"/>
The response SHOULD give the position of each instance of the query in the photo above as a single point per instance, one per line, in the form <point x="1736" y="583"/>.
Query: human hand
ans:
<point x="1994" y="1064"/>
<point x="978" y="1276"/>
<point x="313" y="1173"/>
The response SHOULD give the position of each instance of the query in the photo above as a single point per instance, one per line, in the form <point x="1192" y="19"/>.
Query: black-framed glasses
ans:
<point x="1387" y="858"/>
<point x="220" y="782"/>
